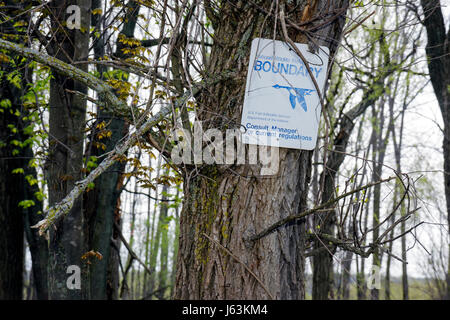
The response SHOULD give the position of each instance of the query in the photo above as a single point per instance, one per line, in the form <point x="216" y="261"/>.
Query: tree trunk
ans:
<point x="38" y="245"/>
<point x="113" y="278"/>
<point x="438" y="52"/>
<point x="11" y="191"/>
<point x="398" y="144"/>
<point x="100" y="203"/>
<point x="156" y="243"/>
<point x="323" y="260"/>
<point x="14" y="188"/>
<point x="346" y="272"/>
<point x="376" y="175"/>
<point x="341" y="133"/>
<point x="175" y="246"/>
<point x="228" y="206"/>
<point x="149" y="228"/>
<point x="387" y="280"/>
<point x="378" y="155"/>
<point x="361" y="283"/>
<point x="164" y="253"/>
<point x="67" y="123"/>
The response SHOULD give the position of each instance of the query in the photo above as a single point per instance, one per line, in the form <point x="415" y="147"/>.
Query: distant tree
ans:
<point x="102" y="202"/>
<point x="242" y="235"/>
<point x="438" y="53"/>
<point x="376" y="67"/>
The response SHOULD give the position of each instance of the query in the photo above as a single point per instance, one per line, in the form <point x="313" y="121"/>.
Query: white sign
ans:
<point x="281" y="104"/>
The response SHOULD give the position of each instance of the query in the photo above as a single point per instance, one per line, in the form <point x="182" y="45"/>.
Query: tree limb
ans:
<point x="72" y="72"/>
<point x="306" y="213"/>
<point x="63" y="207"/>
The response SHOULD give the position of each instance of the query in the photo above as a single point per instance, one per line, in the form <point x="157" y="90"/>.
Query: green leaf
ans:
<point x="18" y="171"/>
<point x="26" y="203"/>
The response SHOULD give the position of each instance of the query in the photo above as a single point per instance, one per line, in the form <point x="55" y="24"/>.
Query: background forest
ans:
<point x="91" y="92"/>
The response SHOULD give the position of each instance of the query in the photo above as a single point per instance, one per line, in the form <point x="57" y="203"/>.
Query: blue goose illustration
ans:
<point x="299" y="94"/>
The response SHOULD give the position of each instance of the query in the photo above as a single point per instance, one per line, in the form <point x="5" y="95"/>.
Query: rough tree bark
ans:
<point x="438" y="52"/>
<point x="13" y="186"/>
<point x="66" y="128"/>
<point x="227" y="206"/>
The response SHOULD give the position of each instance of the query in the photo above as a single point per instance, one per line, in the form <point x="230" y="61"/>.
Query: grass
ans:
<point x="418" y="290"/>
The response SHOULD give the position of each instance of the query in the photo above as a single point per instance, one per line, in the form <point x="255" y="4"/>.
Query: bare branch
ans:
<point x="306" y="213"/>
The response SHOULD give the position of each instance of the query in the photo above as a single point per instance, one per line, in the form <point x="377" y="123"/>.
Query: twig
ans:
<point x="359" y="23"/>
<point x="298" y="52"/>
<point x="70" y="71"/>
<point x="149" y="295"/>
<point x="130" y="250"/>
<point x="306" y="213"/>
<point x="63" y="207"/>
